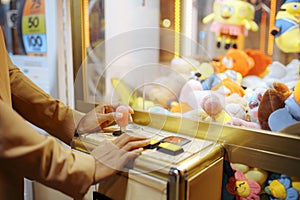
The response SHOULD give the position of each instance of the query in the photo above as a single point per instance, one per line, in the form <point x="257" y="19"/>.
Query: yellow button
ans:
<point x="167" y="145"/>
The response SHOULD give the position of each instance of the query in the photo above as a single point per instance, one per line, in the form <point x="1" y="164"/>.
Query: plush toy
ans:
<point x="236" y="110"/>
<point x="228" y="87"/>
<point x="209" y="104"/>
<point x="254" y="98"/>
<point x="237" y="99"/>
<point x="211" y="81"/>
<point x="184" y="66"/>
<point x="251" y="64"/>
<point x="236" y="60"/>
<point x="288" y="115"/>
<point x="195" y="98"/>
<point x="213" y="106"/>
<point x="197" y="114"/>
<point x="272" y="100"/>
<point x="288" y="74"/>
<point x="189" y="86"/>
<point x="280" y="188"/>
<point x="282" y="89"/>
<point x="234" y="76"/>
<point x="206" y="70"/>
<point x="162" y="93"/>
<point x="228" y="173"/>
<point x="261" y="62"/>
<point x="231" y="18"/>
<point x="254" y="82"/>
<point x="140" y="103"/>
<point x="179" y="107"/>
<point x="296" y="183"/>
<point x="287" y="30"/>
<point x="243" y="188"/>
<point x="166" y="88"/>
<point x="242" y="123"/>
<point x="236" y="106"/>
<point x="252" y="173"/>
<point x="158" y="109"/>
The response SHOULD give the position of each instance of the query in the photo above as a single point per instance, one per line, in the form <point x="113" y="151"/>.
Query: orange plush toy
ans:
<point x="229" y="87"/>
<point x="236" y="60"/>
<point x="261" y="62"/>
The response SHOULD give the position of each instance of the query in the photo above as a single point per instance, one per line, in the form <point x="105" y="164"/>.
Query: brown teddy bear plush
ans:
<point x="272" y="100"/>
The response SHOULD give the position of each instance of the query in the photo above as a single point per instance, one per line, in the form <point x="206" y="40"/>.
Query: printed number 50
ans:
<point x="33" y="22"/>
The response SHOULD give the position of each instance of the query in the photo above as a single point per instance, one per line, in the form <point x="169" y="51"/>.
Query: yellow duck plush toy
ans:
<point x="287" y="30"/>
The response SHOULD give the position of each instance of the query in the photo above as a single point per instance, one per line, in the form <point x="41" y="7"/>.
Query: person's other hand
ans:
<point x="100" y="117"/>
<point x="111" y="156"/>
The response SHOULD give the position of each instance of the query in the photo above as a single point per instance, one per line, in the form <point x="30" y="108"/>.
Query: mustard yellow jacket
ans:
<point x="26" y="153"/>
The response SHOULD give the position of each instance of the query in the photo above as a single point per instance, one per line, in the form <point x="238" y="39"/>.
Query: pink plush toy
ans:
<point x="243" y="188"/>
<point x="212" y="105"/>
<point x="243" y="123"/>
<point x="190" y="86"/>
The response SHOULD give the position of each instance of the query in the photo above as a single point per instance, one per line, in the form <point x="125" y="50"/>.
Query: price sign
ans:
<point x="34" y="27"/>
<point x="35" y="43"/>
<point x="33" y="24"/>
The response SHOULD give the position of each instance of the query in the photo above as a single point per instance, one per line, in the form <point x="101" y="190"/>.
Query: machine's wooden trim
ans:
<point x="77" y="34"/>
<point x="80" y="41"/>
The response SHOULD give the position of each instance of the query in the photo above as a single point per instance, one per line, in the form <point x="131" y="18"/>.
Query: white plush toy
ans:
<point x="253" y="82"/>
<point x="288" y="74"/>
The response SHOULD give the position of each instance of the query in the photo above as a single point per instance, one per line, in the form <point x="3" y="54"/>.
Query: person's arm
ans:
<point x="25" y="152"/>
<point x="51" y="115"/>
<point x="39" y="108"/>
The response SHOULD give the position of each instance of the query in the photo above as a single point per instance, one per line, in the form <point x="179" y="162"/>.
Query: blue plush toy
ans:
<point x="280" y="188"/>
<point x="287" y="30"/>
<point x="288" y="115"/>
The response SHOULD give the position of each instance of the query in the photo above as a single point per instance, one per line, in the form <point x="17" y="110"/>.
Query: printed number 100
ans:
<point x="34" y="41"/>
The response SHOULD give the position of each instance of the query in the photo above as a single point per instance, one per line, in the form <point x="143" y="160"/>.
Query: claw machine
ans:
<point x="222" y="72"/>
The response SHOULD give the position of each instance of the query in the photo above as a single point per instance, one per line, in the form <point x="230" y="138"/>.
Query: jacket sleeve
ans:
<point x="39" y="108"/>
<point x="25" y="152"/>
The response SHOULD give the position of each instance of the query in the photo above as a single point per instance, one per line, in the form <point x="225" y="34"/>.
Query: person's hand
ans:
<point x="100" y="117"/>
<point x="111" y="156"/>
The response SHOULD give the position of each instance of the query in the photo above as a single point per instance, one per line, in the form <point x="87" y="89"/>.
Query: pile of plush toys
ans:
<point x="241" y="88"/>
<point x="246" y="183"/>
